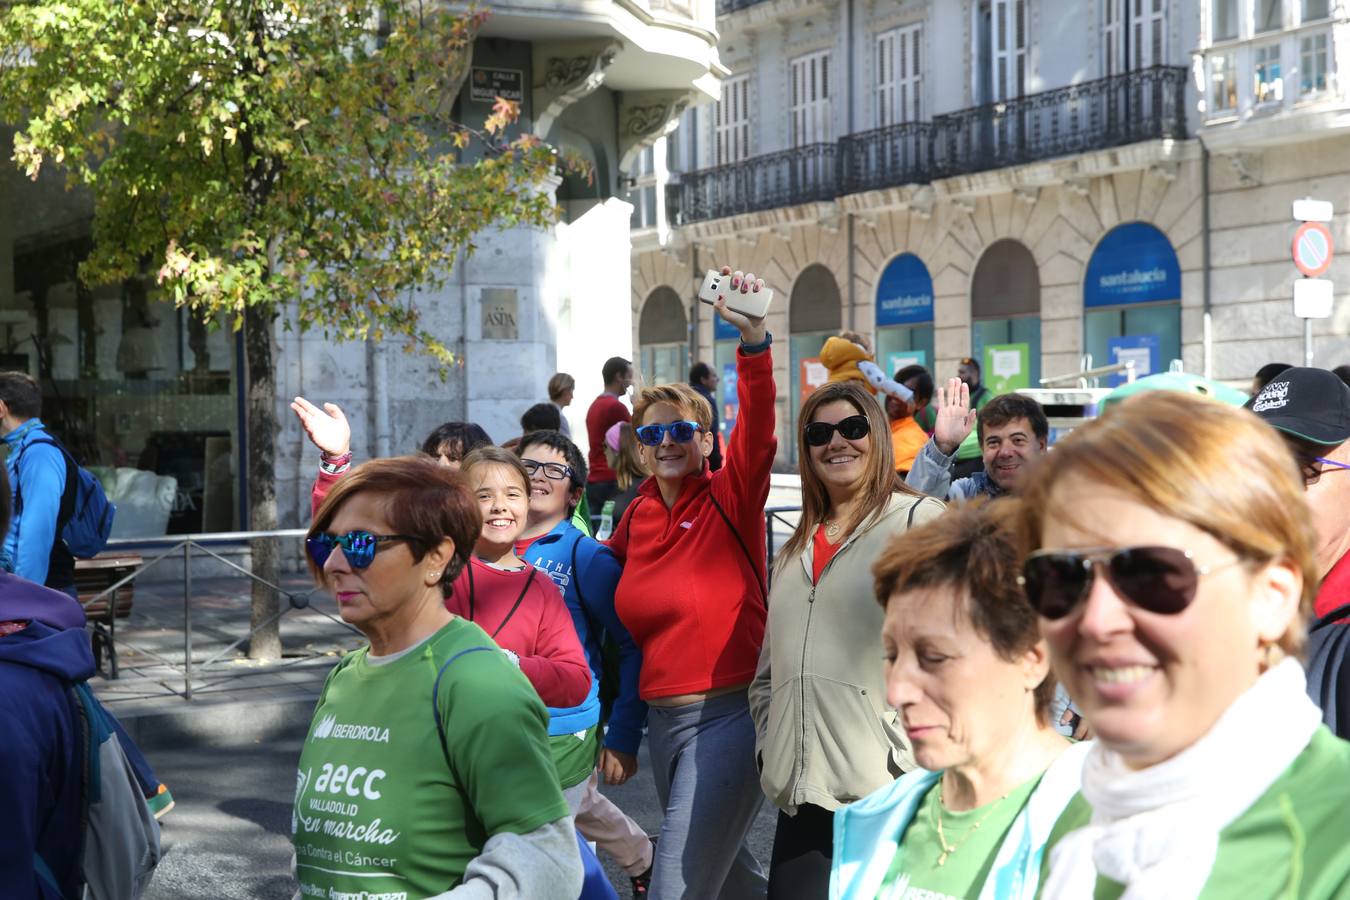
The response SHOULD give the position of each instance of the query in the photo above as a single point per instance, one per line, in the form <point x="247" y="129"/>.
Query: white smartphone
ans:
<point x="751" y="303"/>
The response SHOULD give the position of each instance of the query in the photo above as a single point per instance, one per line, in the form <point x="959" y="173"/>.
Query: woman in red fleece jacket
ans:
<point x="517" y="606"/>
<point x="692" y="595"/>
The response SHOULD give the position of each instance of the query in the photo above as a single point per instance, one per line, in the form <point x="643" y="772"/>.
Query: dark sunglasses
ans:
<point x="1157" y="579"/>
<point x="818" y="434"/>
<point x="358" y="546"/>
<point x="680" y="432"/>
<point x="1312" y="474"/>
<point x="552" y="471"/>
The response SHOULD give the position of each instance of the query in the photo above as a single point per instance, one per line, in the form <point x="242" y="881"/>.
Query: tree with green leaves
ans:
<point x="261" y="156"/>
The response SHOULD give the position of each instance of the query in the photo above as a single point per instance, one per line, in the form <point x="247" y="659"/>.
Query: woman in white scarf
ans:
<point x="1173" y="570"/>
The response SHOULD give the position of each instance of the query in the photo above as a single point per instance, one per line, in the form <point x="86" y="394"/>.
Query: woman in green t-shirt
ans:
<point x="1173" y="571"/>
<point x="970" y="676"/>
<point x="400" y="789"/>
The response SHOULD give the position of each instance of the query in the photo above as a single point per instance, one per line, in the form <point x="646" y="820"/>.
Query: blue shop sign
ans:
<point x="905" y="292"/>
<point x="723" y="330"/>
<point x="1134" y="263"/>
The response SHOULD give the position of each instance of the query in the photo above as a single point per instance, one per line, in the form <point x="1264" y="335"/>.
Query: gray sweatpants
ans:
<point x="703" y="761"/>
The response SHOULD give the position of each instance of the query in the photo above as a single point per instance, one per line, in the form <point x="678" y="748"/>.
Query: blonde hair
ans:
<point x="560" y="384"/>
<point x="877" y="483"/>
<point x="1214" y="466"/>
<point x="627" y="460"/>
<point x="684" y="398"/>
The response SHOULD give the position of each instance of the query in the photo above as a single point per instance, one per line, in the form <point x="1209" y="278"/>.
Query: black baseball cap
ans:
<point x="1311" y="404"/>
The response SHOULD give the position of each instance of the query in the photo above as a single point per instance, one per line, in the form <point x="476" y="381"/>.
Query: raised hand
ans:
<point x="955" y="418"/>
<point x="751" y="327"/>
<point x="326" y="428"/>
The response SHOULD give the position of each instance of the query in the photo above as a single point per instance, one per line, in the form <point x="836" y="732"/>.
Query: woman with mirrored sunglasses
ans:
<point x="411" y="735"/>
<point x="692" y="595"/>
<point x="1172" y="568"/>
<point x="818" y="687"/>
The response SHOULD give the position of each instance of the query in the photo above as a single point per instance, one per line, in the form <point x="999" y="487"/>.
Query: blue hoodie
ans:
<point x="40" y="757"/>
<point x="592" y="610"/>
<point x="31" y="544"/>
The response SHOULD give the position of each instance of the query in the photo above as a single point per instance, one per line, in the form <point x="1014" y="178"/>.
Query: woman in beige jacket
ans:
<point x="824" y="734"/>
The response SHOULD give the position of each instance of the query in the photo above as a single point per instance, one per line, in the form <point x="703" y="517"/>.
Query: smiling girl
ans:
<point x="518" y="607"/>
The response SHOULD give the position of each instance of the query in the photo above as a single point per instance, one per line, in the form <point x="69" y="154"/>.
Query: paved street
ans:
<point x="229" y="836"/>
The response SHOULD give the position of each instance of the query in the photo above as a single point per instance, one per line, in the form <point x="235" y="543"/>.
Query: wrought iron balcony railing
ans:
<point x="727" y="7"/>
<point x="788" y="177"/>
<point x="1147" y="104"/>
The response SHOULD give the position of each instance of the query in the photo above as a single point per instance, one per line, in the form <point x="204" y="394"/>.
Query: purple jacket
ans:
<point x="20" y="599"/>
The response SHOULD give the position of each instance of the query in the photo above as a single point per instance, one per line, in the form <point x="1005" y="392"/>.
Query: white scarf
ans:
<point x="1156" y="830"/>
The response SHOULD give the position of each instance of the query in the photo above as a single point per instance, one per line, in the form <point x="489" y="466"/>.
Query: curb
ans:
<point x="220" y="724"/>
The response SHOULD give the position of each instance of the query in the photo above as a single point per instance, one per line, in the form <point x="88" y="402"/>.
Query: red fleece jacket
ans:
<point x="689" y="595"/>
<point x="539" y="631"/>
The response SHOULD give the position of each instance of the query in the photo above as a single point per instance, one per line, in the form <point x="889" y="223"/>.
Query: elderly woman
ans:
<point x="970" y="676"/>
<point x="426" y="772"/>
<point x="1172" y="573"/>
<point x="823" y="733"/>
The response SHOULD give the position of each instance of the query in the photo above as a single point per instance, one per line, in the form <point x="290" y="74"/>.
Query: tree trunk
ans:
<point x="261" y="419"/>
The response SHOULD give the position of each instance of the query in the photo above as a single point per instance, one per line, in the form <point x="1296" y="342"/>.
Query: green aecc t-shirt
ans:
<point x="378" y="811"/>
<point x="1293" y="842"/>
<point x="917" y="874"/>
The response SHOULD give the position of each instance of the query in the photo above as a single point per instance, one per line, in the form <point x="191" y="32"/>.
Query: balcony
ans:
<point x="727" y="7"/>
<point x="1148" y="104"/>
<point x="788" y="177"/>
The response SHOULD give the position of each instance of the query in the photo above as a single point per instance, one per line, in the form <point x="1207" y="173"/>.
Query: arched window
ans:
<point x="814" y="314"/>
<point x="1132" y="300"/>
<point x="1005" y="311"/>
<point x="904" y="314"/>
<point x="663" y="337"/>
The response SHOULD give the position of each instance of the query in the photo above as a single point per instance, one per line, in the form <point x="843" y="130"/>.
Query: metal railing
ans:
<point x="727" y="7"/>
<point x="1146" y="104"/>
<point x="799" y="175"/>
<point x="184" y="546"/>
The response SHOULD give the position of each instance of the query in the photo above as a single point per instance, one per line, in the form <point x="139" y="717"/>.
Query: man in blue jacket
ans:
<point x="586" y="572"/>
<point x="38" y="475"/>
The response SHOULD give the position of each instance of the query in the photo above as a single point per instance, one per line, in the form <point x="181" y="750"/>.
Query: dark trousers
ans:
<point x="597" y="492"/>
<point x="803" y="847"/>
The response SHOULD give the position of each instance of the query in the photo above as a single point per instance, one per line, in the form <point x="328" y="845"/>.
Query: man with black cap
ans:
<point x="1311" y="409"/>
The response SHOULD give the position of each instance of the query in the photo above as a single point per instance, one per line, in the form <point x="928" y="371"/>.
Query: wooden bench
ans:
<point x="93" y="577"/>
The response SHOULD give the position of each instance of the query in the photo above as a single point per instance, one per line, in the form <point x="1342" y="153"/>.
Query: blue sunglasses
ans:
<point x="359" y="547"/>
<point x="680" y="432"/>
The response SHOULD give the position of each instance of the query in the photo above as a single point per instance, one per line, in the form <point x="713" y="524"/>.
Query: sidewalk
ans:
<point x="248" y="699"/>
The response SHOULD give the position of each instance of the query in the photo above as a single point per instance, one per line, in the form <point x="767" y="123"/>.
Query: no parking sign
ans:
<point x="1312" y="249"/>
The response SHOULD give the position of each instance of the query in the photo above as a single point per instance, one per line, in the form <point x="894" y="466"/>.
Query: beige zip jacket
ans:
<point x="824" y="734"/>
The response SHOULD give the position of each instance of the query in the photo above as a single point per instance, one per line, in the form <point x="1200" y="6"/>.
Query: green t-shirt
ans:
<point x="916" y="873"/>
<point x="1290" y="843"/>
<point x="378" y="811"/>
<point x="574" y="755"/>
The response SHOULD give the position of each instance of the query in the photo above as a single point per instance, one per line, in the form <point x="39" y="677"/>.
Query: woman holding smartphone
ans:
<point x="1172" y="572"/>
<point x="825" y="736"/>
<point x="692" y="595"/>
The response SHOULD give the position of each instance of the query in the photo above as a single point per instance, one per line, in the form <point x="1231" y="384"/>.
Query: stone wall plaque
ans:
<point x="501" y="314"/>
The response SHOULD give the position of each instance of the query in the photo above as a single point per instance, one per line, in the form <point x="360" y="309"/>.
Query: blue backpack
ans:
<point x="88" y="514"/>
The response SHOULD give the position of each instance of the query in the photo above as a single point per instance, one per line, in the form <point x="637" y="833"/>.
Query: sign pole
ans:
<point x="1307" y="343"/>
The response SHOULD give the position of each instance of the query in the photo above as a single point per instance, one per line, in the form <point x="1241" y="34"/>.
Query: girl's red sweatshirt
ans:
<point x="692" y="598"/>
<point x="539" y="631"/>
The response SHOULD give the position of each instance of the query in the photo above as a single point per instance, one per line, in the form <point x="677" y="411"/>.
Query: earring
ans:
<point x="1271" y="654"/>
<point x="433" y="577"/>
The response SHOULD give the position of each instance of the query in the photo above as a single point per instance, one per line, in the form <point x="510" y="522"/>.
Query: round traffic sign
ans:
<point x="1312" y="249"/>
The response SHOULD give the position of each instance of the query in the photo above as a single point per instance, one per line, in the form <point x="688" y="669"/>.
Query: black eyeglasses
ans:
<point x="552" y="471"/>
<point x="1158" y="579"/>
<point x="818" y="434"/>
<point x="359" y="547"/>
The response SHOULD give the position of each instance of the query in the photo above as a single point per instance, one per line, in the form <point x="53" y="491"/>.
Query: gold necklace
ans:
<point x="831" y="528"/>
<point x="949" y="849"/>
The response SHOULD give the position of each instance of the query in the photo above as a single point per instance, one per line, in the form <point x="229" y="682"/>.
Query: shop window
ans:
<point x="1005" y="309"/>
<point x="663" y="338"/>
<point x="142" y="392"/>
<point x="1222" y="83"/>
